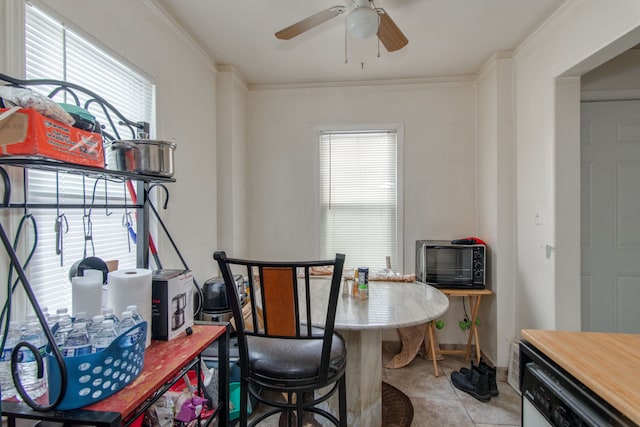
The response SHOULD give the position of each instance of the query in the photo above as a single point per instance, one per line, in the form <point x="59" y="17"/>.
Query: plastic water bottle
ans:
<point x="126" y="321"/>
<point x="7" y="388"/>
<point x="29" y="318"/>
<point x="110" y="315"/>
<point x="47" y="315"/>
<point x="64" y="328"/>
<point x="28" y="366"/>
<point x="77" y="342"/>
<point x="96" y="325"/>
<point x="62" y="312"/>
<point x="52" y="320"/>
<point x="81" y="317"/>
<point x="137" y="317"/>
<point x="104" y="337"/>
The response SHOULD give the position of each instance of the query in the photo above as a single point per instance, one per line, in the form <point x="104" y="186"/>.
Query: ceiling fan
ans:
<point x="362" y="19"/>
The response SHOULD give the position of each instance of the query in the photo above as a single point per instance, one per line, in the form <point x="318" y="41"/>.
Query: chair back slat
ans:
<point x="255" y="316"/>
<point x="279" y="297"/>
<point x="307" y="289"/>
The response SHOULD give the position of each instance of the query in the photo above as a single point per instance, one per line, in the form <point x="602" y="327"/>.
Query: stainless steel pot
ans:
<point x="146" y="156"/>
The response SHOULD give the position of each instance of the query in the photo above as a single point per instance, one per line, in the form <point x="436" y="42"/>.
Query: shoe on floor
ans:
<point x="474" y="383"/>
<point x="491" y="372"/>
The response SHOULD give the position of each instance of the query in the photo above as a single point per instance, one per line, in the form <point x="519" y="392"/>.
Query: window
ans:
<point x="53" y="51"/>
<point x="359" y="197"/>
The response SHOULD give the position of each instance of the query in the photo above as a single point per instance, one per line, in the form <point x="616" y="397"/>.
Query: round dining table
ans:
<point x="390" y="305"/>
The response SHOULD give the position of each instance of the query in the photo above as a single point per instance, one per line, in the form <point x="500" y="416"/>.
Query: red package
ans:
<point x="28" y="133"/>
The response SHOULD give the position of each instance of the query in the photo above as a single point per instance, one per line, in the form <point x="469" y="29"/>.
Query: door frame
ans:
<point x="567" y="209"/>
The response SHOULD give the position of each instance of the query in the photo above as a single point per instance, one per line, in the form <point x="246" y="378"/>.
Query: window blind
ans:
<point x="53" y="51"/>
<point x="358" y="191"/>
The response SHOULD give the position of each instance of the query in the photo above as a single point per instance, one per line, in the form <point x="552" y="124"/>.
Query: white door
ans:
<point x="610" y="227"/>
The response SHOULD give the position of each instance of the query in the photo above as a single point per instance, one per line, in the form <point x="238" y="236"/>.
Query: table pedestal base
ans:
<point x="364" y="372"/>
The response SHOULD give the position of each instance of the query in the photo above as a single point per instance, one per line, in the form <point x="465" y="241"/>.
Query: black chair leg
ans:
<point x="300" y="398"/>
<point x="342" y="401"/>
<point x="244" y="392"/>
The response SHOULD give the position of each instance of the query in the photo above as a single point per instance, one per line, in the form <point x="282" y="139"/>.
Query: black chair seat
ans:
<point x="293" y="360"/>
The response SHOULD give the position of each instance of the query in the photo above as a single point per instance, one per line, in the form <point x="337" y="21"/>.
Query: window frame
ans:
<point x="23" y="307"/>
<point x="365" y="127"/>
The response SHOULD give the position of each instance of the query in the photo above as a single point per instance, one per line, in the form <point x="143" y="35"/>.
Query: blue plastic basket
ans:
<point x="93" y="377"/>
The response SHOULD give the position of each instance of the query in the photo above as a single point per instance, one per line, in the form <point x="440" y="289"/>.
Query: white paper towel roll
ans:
<point x="86" y="295"/>
<point x="131" y="286"/>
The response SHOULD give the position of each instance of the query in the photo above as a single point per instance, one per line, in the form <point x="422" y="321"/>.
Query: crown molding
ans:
<point x="427" y="81"/>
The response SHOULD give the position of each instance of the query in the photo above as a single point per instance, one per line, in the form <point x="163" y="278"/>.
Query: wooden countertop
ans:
<point x="607" y="363"/>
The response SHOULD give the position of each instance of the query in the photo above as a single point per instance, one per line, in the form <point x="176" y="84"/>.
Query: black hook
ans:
<point x="57" y="195"/>
<point x="87" y="225"/>
<point x="106" y="200"/>
<point x="166" y="193"/>
<point x="61" y="228"/>
<point x="24" y="190"/>
<point x="6" y="182"/>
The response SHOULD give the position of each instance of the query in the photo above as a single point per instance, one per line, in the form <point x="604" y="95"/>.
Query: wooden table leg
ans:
<point x="432" y="347"/>
<point x="473" y="332"/>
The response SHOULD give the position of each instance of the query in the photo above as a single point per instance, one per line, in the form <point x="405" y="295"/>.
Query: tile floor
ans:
<point x="436" y="402"/>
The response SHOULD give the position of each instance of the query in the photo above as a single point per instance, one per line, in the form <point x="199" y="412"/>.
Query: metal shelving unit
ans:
<point x="116" y="124"/>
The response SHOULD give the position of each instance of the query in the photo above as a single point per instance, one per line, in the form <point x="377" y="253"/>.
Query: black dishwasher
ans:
<point x="552" y="397"/>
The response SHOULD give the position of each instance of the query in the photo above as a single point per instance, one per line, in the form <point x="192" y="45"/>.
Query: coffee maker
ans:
<point x="215" y="305"/>
<point x="178" y="304"/>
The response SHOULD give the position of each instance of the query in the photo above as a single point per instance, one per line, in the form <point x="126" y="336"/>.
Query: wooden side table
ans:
<point x="475" y="295"/>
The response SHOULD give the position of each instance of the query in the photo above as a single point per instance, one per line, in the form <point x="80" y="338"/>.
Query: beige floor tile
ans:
<point x="417" y="380"/>
<point x="503" y="409"/>
<point x="439" y="413"/>
<point x="437" y="403"/>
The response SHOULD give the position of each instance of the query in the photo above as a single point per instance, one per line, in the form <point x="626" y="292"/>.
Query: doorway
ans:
<point x="610" y="216"/>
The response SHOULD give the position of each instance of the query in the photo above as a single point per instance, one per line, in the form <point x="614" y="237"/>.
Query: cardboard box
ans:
<point x="171" y="303"/>
<point x="29" y="133"/>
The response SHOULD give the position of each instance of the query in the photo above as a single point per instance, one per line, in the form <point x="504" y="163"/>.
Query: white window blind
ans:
<point x="53" y="51"/>
<point x="358" y="190"/>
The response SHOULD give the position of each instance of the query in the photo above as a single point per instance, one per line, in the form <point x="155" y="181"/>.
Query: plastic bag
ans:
<point x="27" y="98"/>
<point x="188" y="407"/>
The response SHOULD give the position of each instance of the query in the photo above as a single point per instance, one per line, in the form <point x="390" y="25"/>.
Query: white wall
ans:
<point x="496" y="196"/>
<point x="442" y="198"/>
<point x="580" y="36"/>
<point x="185" y="81"/>
<point x="439" y="164"/>
<point x="231" y="169"/>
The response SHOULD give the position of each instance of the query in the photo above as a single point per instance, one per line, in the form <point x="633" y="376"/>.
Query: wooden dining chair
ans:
<point x="287" y="347"/>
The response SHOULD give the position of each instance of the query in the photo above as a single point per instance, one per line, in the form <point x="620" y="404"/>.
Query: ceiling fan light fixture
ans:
<point x="363" y="22"/>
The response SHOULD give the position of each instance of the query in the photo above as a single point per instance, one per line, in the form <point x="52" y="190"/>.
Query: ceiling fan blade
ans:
<point x="389" y="34"/>
<point x="309" y="23"/>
